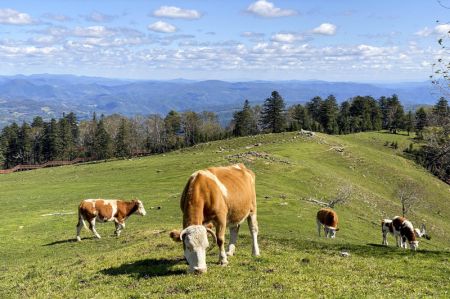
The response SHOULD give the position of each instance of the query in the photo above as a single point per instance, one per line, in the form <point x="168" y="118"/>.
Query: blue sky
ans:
<point x="365" y="41"/>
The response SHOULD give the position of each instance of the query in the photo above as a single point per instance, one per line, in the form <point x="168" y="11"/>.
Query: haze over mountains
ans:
<point x="23" y="97"/>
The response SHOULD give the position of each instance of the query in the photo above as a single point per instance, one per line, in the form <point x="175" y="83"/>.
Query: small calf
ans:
<point x="105" y="210"/>
<point x="403" y="231"/>
<point x="329" y="220"/>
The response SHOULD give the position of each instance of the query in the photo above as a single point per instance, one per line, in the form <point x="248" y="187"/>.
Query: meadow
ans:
<point x="40" y="259"/>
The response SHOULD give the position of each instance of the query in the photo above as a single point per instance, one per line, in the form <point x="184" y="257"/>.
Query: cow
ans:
<point x="403" y="231"/>
<point x="106" y="210"/>
<point x="327" y="218"/>
<point x="220" y="196"/>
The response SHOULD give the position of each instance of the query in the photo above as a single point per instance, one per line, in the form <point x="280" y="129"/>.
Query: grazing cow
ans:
<point x="329" y="220"/>
<point x="107" y="210"/>
<point x="403" y="230"/>
<point x="221" y="196"/>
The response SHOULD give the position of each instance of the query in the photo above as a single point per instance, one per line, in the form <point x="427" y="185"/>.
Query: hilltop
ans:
<point x="39" y="258"/>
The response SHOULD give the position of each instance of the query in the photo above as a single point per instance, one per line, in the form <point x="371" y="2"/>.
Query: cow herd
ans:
<point x="221" y="197"/>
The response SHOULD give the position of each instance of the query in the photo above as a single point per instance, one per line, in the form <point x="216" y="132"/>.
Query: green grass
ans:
<point x="38" y="257"/>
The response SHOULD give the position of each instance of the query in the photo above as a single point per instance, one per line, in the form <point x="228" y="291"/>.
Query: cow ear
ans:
<point x="175" y="235"/>
<point x="209" y="225"/>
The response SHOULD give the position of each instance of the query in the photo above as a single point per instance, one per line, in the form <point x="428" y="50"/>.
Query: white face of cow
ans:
<point x="332" y="232"/>
<point x="141" y="210"/>
<point x="414" y="245"/>
<point x="195" y="242"/>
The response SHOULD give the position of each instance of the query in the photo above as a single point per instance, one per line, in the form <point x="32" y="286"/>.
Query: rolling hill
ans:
<point x="23" y="97"/>
<point x="39" y="258"/>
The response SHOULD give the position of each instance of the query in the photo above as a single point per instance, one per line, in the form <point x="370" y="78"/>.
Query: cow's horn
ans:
<point x="212" y="233"/>
<point x="182" y="233"/>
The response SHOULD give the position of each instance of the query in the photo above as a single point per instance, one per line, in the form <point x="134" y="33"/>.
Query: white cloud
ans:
<point x="12" y="17"/>
<point x="163" y="27"/>
<point x="92" y="31"/>
<point x="99" y="17"/>
<point x="442" y="29"/>
<point x="174" y="12"/>
<point x="325" y="29"/>
<point x="284" y="37"/>
<point x="267" y="9"/>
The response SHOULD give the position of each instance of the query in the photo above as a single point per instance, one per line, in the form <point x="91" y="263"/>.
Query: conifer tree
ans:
<point x="273" y="117"/>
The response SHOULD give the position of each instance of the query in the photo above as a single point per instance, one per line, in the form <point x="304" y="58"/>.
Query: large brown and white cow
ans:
<point x="403" y="231"/>
<point x="221" y="196"/>
<point x="327" y="218"/>
<point x="104" y="210"/>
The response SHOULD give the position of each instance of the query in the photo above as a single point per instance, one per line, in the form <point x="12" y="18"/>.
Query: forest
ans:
<point x="116" y="136"/>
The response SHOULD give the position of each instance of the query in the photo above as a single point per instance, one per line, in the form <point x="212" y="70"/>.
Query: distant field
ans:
<point x="38" y="257"/>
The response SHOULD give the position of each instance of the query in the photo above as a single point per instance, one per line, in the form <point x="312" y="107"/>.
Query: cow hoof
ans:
<point x="78" y="239"/>
<point x="230" y="253"/>
<point x="223" y="263"/>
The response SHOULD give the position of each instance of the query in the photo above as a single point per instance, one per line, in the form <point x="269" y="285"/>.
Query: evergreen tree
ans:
<point x="121" y="141"/>
<point x="300" y="118"/>
<point x="273" y="117"/>
<point x="51" y="141"/>
<point x="345" y="118"/>
<point x="441" y="113"/>
<point x="329" y="115"/>
<point x="172" y="123"/>
<point x="11" y="155"/>
<point x="190" y="124"/>
<point x="102" y="143"/>
<point x="68" y="150"/>
<point x="244" y="122"/>
<point x="409" y="122"/>
<point x="421" y="121"/>
<point x="25" y="144"/>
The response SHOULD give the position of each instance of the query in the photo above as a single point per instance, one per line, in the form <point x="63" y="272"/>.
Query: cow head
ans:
<point x="140" y="207"/>
<point x="195" y="242"/>
<point x="331" y="231"/>
<point x="413" y="245"/>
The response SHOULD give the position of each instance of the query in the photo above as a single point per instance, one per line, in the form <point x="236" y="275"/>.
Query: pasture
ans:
<point x="39" y="257"/>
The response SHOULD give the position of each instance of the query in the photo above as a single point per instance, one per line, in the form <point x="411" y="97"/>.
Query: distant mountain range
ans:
<point x="23" y="97"/>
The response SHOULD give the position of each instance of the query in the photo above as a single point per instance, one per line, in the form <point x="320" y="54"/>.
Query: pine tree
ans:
<point x="409" y="122"/>
<point x="244" y="122"/>
<point x="329" y="114"/>
<point x="121" y="141"/>
<point x="421" y="121"/>
<point x="273" y="117"/>
<point x="51" y="141"/>
<point x="345" y="118"/>
<point x="441" y="113"/>
<point x="102" y="144"/>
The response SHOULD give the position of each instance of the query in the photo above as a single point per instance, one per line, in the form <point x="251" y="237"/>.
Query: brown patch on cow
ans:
<point x="405" y="231"/>
<point x="328" y="217"/>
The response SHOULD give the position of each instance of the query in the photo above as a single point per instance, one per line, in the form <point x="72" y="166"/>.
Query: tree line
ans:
<point x="118" y="136"/>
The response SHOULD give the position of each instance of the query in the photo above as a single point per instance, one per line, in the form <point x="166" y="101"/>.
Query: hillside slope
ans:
<point x="39" y="258"/>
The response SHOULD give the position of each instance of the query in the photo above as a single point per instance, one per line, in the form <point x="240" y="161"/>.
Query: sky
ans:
<point x="333" y="40"/>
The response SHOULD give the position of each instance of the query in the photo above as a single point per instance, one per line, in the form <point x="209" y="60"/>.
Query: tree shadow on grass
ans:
<point x="147" y="268"/>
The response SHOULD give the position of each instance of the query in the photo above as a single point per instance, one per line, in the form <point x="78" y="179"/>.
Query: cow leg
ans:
<point x="234" y="229"/>
<point x="220" y="233"/>
<point x="119" y="228"/>
<point x="253" y="226"/>
<point x="325" y="230"/>
<point x="79" y="227"/>
<point x="385" y="242"/>
<point x="92" y="227"/>
<point x="319" y="226"/>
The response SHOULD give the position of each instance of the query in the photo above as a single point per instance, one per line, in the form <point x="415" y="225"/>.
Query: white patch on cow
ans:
<point x="141" y="210"/>
<point x="408" y="224"/>
<point x="236" y="166"/>
<point x="213" y="177"/>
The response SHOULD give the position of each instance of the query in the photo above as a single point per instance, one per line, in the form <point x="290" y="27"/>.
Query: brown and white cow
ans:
<point x="403" y="231"/>
<point x="221" y="196"/>
<point x="327" y="218"/>
<point x="105" y="210"/>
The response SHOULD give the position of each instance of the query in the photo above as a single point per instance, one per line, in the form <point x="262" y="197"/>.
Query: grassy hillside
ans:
<point x="38" y="257"/>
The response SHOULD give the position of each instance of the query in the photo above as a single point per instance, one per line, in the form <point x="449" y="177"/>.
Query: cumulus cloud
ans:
<point x="163" y="27"/>
<point x="57" y="17"/>
<point x="325" y="29"/>
<point x="266" y="9"/>
<point x="99" y="17"/>
<point x="92" y="31"/>
<point x="285" y="37"/>
<point x="441" y="29"/>
<point x="174" y="12"/>
<point x="13" y="17"/>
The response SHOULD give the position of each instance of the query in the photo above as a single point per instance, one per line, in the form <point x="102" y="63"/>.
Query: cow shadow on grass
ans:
<point x="72" y="240"/>
<point x="147" y="268"/>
